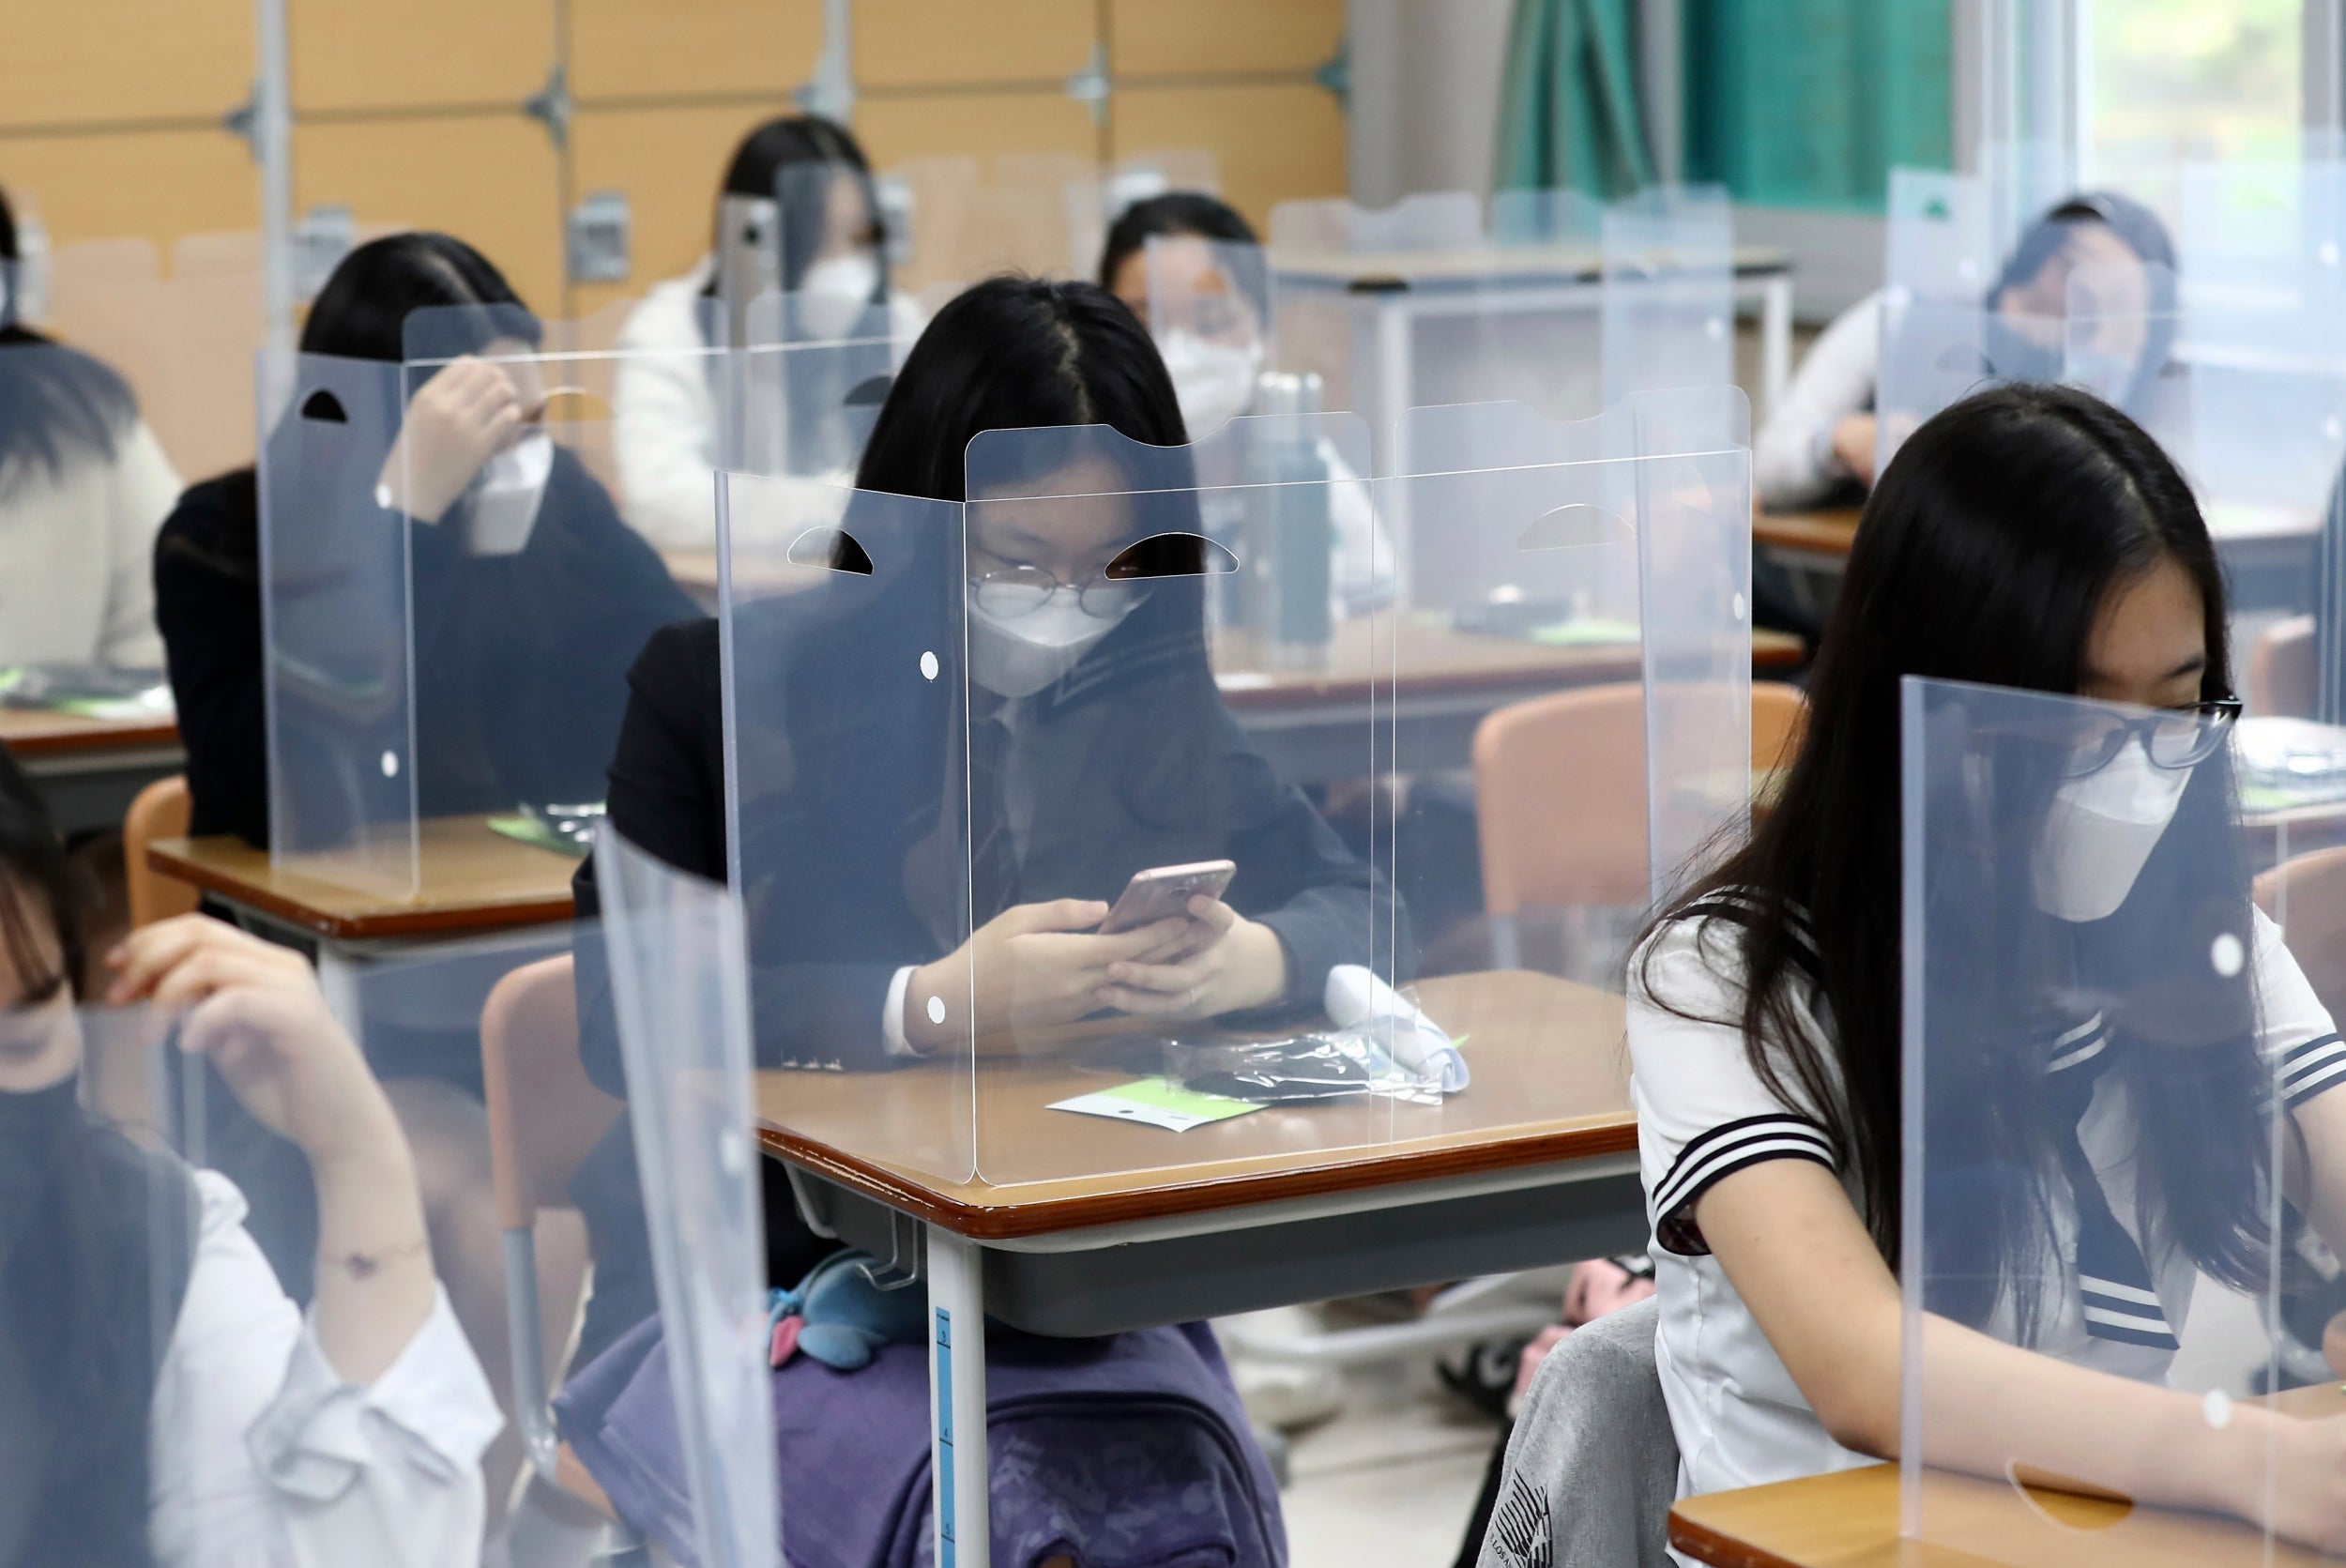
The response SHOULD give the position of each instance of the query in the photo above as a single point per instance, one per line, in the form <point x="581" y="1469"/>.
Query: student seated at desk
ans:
<point x="83" y="485"/>
<point x="554" y="609"/>
<point x="1103" y="745"/>
<point x="2033" y="537"/>
<point x="161" y="1399"/>
<point x="1816" y="445"/>
<point x="799" y="192"/>
<point x="1216" y="357"/>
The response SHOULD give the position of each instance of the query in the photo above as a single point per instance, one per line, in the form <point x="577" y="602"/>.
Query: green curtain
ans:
<point x="1810" y="102"/>
<point x="1568" y="112"/>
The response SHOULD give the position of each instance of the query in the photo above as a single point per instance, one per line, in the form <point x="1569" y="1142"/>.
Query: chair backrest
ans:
<point x="544" y="1114"/>
<point x="2307" y="893"/>
<point x="161" y="811"/>
<point x="1593" y="1467"/>
<point x="1560" y="793"/>
<point x="1559" y="800"/>
<point x="2284" y="672"/>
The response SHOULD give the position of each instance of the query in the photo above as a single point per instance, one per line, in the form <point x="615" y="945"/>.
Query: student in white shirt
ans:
<point x="2033" y="537"/>
<point x="162" y="1400"/>
<point x="1818" y="436"/>
<point x="83" y="485"/>
<point x="798" y="196"/>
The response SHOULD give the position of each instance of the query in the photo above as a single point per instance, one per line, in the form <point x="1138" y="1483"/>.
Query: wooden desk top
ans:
<point x="1569" y="260"/>
<point x="470" y="880"/>
<point x="1550" y="1084"/>
<point x="36" y="732"/>
<point x="1431" y="660"/>
<point x="1830" y="532"/>
<point x="1850" y="1519"/>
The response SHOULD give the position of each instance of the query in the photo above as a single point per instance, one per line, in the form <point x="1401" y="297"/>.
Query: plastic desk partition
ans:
<point x="2108" y="1061"/>
<point x="451" y="608"/>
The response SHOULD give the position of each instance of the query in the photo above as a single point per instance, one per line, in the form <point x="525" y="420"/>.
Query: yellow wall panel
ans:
<point x="933" y="43"/>
<point x="418" y="53"/>
<point x="894" y="129"/>
<point x="99" y="60"/>
<point x="155" y="186"/>
<point x="989" y="174"/>
<point x="490" y="181"/>
<point x="634" y="48"/>
<point x="669" y="162"/>
<point x="1275" y="143"/>
<point x="1166" y="38"/>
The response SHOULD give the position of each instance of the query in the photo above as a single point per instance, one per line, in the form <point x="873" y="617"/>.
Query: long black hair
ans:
<point x="1983" y="556"/>
<point x="1016" y="354"/>
<point x="802" y="141"/>
<point x="96" y="1240"/>
<point x="362" y="311"/>
<point x="58" y="406"/>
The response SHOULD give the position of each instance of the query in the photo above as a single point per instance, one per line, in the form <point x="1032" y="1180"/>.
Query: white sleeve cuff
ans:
<point x="892" y="1017"/>
<point x="430" y="1413"/>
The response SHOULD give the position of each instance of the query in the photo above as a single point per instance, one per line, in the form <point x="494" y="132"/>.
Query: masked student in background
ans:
<point x="530" y="598"/>
<point x="1818" y="443"/>
<point x="1216" y="353"/>
<point x="1098" y="744"/>
<point x="2033" y="537"/>
<point x="162" y="1400"/>
<point x="83" y="485"/>
<point x="796" y="218"/>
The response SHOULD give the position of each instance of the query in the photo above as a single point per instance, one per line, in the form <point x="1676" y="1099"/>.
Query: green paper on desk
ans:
<point x="1586" y="634"/>
<point x="529" y="830"/>
<point x="1158" y="1102"/>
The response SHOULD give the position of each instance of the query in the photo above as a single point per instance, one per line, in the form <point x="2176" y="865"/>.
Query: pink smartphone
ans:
<point x="1164" y="891"/>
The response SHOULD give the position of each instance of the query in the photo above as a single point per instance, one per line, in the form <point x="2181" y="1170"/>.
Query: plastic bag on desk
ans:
<point x="1382" y="1044"/>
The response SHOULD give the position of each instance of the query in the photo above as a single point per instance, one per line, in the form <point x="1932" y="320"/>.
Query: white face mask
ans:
<point x="506" y="496"/>
<point x="1213" y="381"/>
<point x="1020" y="657"/>
<point x="835" y="293"/>
<point x="2100" y="833"/>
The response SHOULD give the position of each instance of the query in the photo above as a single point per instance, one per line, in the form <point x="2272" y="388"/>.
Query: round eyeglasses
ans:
<point x="2171" y="737"/>
<point x="1010" y="591"/>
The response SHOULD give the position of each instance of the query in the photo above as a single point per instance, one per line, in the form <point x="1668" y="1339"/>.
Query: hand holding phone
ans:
<point x="1163" y="893"/>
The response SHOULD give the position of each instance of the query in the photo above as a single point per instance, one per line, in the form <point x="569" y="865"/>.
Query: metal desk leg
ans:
<point x="957" y="1497"/>
<point x="338" y="977"/>
<point x="1776" y="341"/>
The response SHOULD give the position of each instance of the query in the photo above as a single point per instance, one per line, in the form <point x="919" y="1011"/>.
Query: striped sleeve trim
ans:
<point x="2310" y="1069"/>
<point x="1730" y="1147"/>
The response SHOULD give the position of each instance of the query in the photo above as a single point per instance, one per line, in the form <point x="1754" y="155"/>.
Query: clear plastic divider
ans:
<point x="1669" y="307"/>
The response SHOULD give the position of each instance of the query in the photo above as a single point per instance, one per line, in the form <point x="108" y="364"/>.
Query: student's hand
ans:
<point x="1035" y="964"/>
<point x="467" y="413"/>
<point x="255" y="1010"/>
<point x="1853" y="445"/>
<point x="1236" y="964"/>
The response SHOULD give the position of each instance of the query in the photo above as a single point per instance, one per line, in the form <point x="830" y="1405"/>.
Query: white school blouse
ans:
<point x="1703" y="1114"/>
<point x="263" y="1456"/>
<point x="77" y="577"/>
<point x="1791" y="457"/>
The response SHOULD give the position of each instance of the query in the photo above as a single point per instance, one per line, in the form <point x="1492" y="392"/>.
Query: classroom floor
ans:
<point x="1389" y="1481"/>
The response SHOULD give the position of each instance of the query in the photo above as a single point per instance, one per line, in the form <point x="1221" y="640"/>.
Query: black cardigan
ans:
<point x="520" y="661"/>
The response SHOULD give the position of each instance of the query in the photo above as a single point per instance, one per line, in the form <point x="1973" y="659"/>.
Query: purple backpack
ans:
<point x="1128" y="1452"/>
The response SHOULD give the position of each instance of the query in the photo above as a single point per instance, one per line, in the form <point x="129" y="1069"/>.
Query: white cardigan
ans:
<point x="77" y="582"/>
<point x="1791" y="461"/>
<point x="264" y="1457"/>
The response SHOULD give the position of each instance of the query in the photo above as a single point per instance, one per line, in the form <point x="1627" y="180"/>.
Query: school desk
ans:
<point x="1850" y="1519"/>
<point x="89" y="771"/>
<point x="1077" y="1225"/>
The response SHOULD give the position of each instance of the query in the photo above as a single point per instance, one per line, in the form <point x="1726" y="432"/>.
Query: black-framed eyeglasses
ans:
<point x="1010" y="591"/>
<point x="2175" y="737"/>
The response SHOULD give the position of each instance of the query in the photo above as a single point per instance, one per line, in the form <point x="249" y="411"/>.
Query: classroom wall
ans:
<point x="1425" y="91"/>
<point x="410" y="111"/>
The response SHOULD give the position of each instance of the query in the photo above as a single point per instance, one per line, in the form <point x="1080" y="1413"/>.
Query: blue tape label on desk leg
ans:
<point x="945" y="1438"/>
